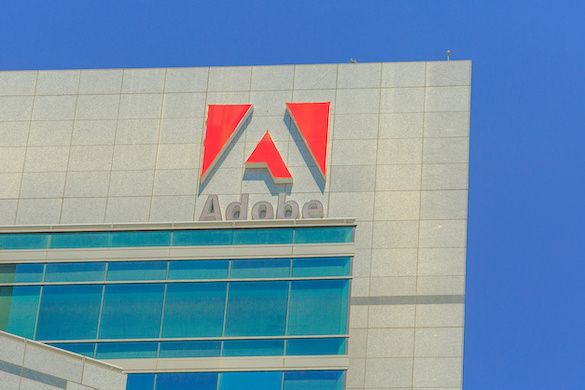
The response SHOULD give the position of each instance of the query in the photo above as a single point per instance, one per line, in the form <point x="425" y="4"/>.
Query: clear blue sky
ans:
<point x="525" y="318"/>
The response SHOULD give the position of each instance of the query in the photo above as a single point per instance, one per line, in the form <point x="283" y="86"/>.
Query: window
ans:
<point x="321" y="266"/>
<point x="179" y="349"/>
<point x="251" y="380"/>
<point x="313" y="380"/>
<point x="191" y="380"/>
<point x="140" y="382"/>
<point x="253" y="348"/>
<point x="137" y="270"/>
<point x="263" y="236"/>
<point x="260" y="268"/>
<point x="21" y="273"/>
<point x="18" y="310"/>
<point x="333" y="346"/>
<point x="198" y="269"/>
<point x="75" y="272"/>
<point x="126" y="350"/>
<point x="322" y="235"/>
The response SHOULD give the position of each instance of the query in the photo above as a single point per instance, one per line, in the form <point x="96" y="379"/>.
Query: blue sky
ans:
<point x="525" y="322"/>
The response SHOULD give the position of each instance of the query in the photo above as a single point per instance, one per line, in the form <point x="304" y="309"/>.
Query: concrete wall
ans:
<point x="125" y="146"/>
<point x="28" y="365"/>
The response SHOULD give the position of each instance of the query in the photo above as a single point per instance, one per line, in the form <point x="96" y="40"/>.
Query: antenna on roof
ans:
<point x="448" y="52"/>
<point x="352" y="61"/>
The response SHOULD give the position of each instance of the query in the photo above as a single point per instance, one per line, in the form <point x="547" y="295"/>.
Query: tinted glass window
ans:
<point x="256" y="308"/>
<point x="21" y="273"/>
<point x="69" y="312"/>
<point x="24" y="241"/>
<point x="178" y="349"/>
<point x="137" y="270"/>
<point x="81" y="240"/>
<point x="141" y="238"/>
<point x="261" y="268"/>
<point x="132" y="311"/>
<point x="321" y="266"/>
<point x="202" y="237"/>
<point x="75" y="272"/>
<point x="198" y="269"/>
<point x="140" y="382"/>
<point x="318" y="307"/>
<point x="126" y="350"/>
<point x="251" y="381"/>
<point x="253" y="348"/>
<point x="192" y="380"/>
<point x="313" y="380"/>
<point x="18" y="310"/>
<point x="194" y="310"/>
<point x="315" y="346"/>
<point x="322" y="235"/>
<point x="86" y="349"/>
<point x="263" y="236"/>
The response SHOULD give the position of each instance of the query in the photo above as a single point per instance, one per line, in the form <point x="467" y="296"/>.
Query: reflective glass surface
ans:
<point x="313" y="380"/>
<point x="333" y="346"/>
<point x="141" y="238"/>
<point x="81" y="240"/>
<point x="323" y="235"/>
<point x="140" y="382"/>
<point x="24" y="241"/>
<point x="75" y="272"/>
<point x="253" y="348"/>
<point x="179" y="349"/>
<point x="262" y="236"/>
<point x="86" y="349"/>
<point x="132" y="311"/>
<point x="271" y="380"/>
<point x="69" y="312"/>
<point x="137" y="270"/>
<point x="18" y="309"/>
<point x="202" y="237"/>
<point x="21" y="273"/>
<point x="256" y="308"/>
<point x="321" y="266"/>
<point x="126" y="350"/>
<point x="187" y="381"/>
<point x="198" y="269"/>
<point x="260" y="268"/>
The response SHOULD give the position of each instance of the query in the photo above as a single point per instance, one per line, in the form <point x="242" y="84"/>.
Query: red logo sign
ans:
<point x="225" y="120"/>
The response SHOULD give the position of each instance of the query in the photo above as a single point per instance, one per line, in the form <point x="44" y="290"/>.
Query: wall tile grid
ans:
<point x="124" y="146"/>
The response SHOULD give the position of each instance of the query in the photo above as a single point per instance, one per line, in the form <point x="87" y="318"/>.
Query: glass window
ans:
<point x="198" y="269"/>
<point x="180" y="349"/>
<point x="21" y="273"/>
<point x="191" y="380"/>
<point x="194" y="310"/>
<point x="256" y="308"/>
<point x="321" y="235"/>
<point x="334" y="346"/>
<point x="126" y="350"/>
<point x="253" y="348"/>
<point x="202" y="237"/>
<point x="24" y="241"/>
<point x="321" y="266"/>
<point x="18" y="309"/>
<point x="81" y="240"/>
<point x="141" y="238"/>
<point x="318" y="307"/>
<point x="132" y="311"/>
<point x="69" y="312"/>
<point x="263" y="236"/>
<point x="261" y="268"/>
<point x="85" y="349"/>
<point x="140" y="382"/>
<point x="137" y="270"/>
<point x="75" y="272"/>
<point x="313" y="380"/>
<point x="271" y="380"/>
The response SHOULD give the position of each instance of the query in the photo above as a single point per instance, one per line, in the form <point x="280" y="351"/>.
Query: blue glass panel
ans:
<point x="271" y="380"/>
<point x="24" y="241"/>
<point x="141" y="238"/>
<point x="253" y="348"/>
<point x="21" y="273"/>
<point x="86" y="349"/>
<point x="69" y="312"/>
<point x="126" y="350"/>
<point x="263" y="236"/>
<point x="132" y="311"/>
<point x="140" y="382"/>
<point x="198" y="269"/>
<point x="315" y="346"/>
<point x="81" y="240"/>
<point x="256" y="309"/>
<point x="194" y="309"/>
<point x="187" y="381"/>
<point x="321" y="266"/>
<point x="321" y="235"/>
<point x="202" y="237"/>
<point x="75" y="272"/>
<point x="18" y="309"/>
<point x="261" y="268"/>
<point x="313" y="380"/>
<point x="180" y="349"/>
<point x="137" y="270"/>
<point x="318" y="307"/>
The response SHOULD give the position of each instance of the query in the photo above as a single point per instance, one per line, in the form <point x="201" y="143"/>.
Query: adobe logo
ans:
<point x="224" y="121"/>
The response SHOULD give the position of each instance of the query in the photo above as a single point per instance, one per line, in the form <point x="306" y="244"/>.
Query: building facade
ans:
<point x="267" y="227"/>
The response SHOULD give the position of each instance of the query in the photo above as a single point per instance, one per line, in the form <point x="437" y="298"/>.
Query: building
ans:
<point x="267" y="227"/>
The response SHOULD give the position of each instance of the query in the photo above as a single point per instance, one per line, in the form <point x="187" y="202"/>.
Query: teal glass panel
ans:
<point x="81" y="240"/>
<point x="333" y="346"/>
<point x="141" y="238"/>
<point x="202" y="237"/>
<point x="318" y="307"/>
<point x="69" y="312"/>
<point x="256" y="309"/>
<point x="194" y="309"/>
<point x="253" y="348"/>
<point x="18" y="309"/>
<point x="21" y="273"/>
<point x="314" y="380"/>
<point x="187" y="381"/>
<point x="140" y="382"/>
<point x="85" y="349"/>
<point x="24" y="241"/>
<point x="270" y="380"/>
<point x="260" y="268"/>
<point x="184" y="349"/>
<point x="198" y="269"/>
<point x="75" y="272"/>
<point x="137" y="270"/>
<point x="323" y="235"/>
<point x="263" y="236"/>
<point x="321" y="266"/>
<point x="132" y="311"/>
<point x="126" y="350"/>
